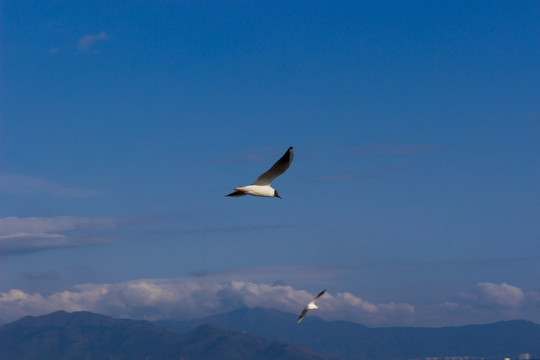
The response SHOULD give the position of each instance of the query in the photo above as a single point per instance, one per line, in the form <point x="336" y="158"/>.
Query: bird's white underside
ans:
<point x="257" y="190"/>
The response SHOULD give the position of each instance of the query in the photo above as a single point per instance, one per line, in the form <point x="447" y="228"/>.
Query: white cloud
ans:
<point x="500" y="295"/>
<point x="194" y="297"/>
<point x="23" y="184"/>
<point x="87" y="41"/>
<point x="35" y="225"/>
<point x="21" y="235"/>
<point x="488" y="302"/>
<point x="185" y="298"/>
<point x="373" y="314"/>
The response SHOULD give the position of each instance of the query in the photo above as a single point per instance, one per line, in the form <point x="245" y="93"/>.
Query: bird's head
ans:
<point x="276" y="194"/>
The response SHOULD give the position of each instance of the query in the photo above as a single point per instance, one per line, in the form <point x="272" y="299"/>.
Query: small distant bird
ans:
<point x="261" y="186"/>
<point x="310" y="306"/>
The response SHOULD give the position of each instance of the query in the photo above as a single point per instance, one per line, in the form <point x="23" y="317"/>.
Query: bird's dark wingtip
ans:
<point x="236" y="193"/>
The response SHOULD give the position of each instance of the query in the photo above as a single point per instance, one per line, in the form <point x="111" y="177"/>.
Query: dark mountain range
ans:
<point x="349" y="340"/>
<point x="84" y="335"/>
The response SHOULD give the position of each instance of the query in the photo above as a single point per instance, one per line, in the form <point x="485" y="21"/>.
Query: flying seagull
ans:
<point x="310" y="306"/>
<point x="261" y="186"/>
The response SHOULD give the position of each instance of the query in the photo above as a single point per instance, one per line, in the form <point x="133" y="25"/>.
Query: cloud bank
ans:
<point x="194" y="297"/>
<point x="23" y="184"/>
<point x="24" y="235"/>
<point x="488" y="302"/>
<point x="187" y="298"/>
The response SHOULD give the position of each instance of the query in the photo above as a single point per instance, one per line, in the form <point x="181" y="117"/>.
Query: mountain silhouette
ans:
<point x="348" y="340"/>
<point x="85" y="335"/>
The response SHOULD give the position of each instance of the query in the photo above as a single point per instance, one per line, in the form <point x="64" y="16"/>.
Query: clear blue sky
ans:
<point x="413" y="197"/>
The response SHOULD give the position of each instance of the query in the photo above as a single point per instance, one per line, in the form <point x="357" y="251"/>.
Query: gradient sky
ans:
<point x="413" y="197"/>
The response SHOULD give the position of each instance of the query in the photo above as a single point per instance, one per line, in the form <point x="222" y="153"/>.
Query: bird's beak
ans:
<point x="278" y="196"/>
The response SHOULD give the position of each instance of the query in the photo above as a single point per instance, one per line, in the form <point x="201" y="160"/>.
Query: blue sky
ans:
<point x="413" y="197"/>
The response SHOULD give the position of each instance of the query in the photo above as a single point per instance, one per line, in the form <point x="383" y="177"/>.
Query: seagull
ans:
<point x="261" y="186"/>
<point x="310" y="306"/>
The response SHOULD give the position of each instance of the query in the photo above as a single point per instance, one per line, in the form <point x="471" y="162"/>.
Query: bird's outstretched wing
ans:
<point x="318" y="296"/>
<point x="279" y="168"/>
<point x="302" y="315"/>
